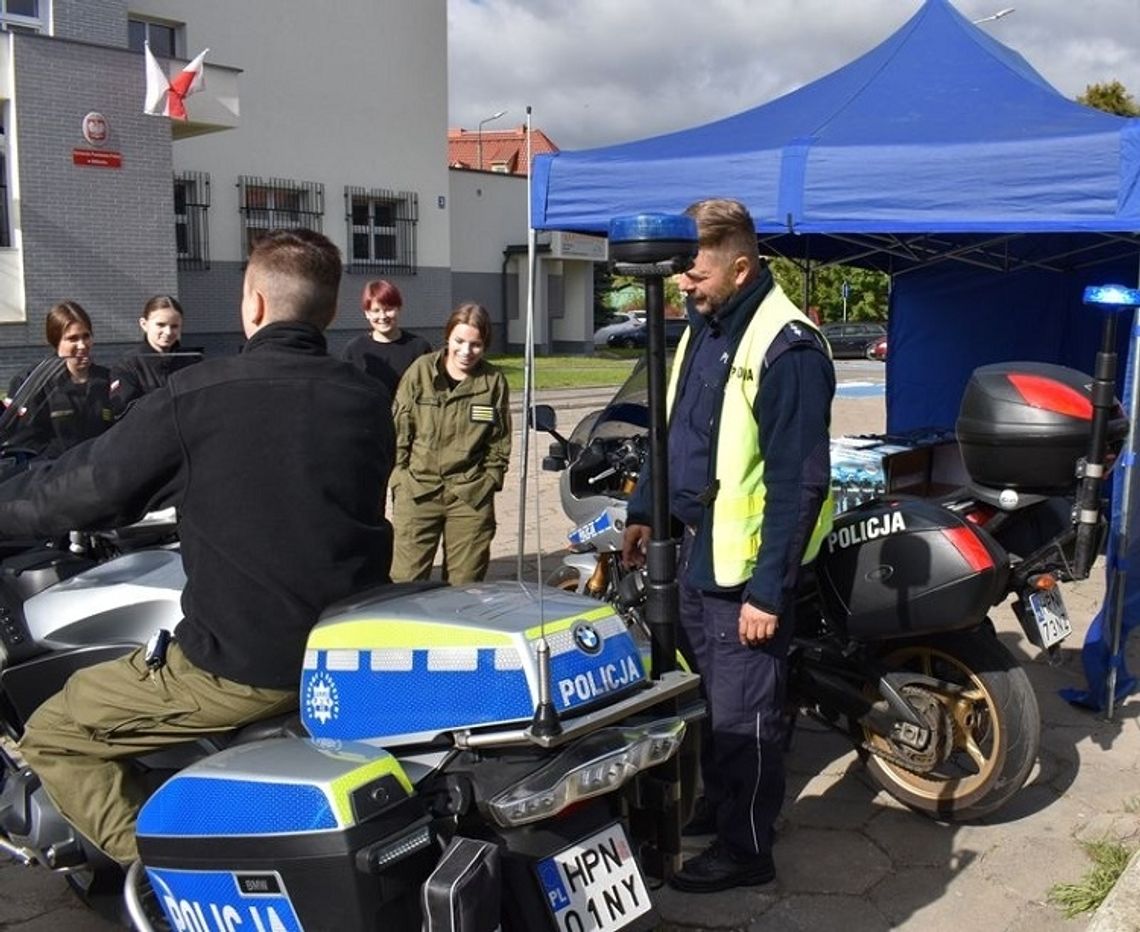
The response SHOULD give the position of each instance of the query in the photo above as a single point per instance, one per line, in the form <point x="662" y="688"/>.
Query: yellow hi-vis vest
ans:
<point x="738" y="508"/>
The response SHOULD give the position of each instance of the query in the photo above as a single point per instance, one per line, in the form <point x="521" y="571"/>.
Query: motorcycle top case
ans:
<point x="288" y="834"/>
<point x="405" y="663"/>
<point x="901" y="566"/>
<point x="1024" y="425"/>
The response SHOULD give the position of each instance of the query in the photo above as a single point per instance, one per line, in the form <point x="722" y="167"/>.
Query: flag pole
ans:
<point x="528" y="372"/>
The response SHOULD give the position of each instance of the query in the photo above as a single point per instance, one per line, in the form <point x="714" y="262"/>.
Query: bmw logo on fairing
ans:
<point x="587" y="638"/>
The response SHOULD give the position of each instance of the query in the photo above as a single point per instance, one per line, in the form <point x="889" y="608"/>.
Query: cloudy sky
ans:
<point x="597" y="72"/>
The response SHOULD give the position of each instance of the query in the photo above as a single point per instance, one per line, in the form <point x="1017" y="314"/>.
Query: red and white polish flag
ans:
<point x="166" y="96"/>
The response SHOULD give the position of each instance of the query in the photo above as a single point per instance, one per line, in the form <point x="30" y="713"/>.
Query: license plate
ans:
<point x="588" y="532"/>
<point x="201" y="900"/>
<point x="1049" y="612"/>
<point x="594" y="885"/>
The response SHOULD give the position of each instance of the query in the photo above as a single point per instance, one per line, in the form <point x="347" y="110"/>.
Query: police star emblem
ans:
<point x="321" y="699"/>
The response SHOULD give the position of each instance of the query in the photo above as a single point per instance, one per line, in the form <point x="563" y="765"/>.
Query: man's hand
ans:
<point x="634" y="543"/>
<point x="756" y="625"/>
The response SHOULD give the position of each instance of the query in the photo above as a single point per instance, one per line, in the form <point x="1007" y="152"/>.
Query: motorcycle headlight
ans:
<point x="596" y="765"/>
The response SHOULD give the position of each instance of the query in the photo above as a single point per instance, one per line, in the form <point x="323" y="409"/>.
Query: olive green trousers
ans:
<point x="79" y="740"/>
<point x="466" y="532"/>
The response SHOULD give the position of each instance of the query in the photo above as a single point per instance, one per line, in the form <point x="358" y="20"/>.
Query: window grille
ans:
<point x="381" y="229"/>
<point x="191" y="229"/>
<point x="278" y="204"/>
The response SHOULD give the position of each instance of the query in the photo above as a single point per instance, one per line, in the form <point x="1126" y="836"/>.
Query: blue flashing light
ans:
<point x="647" y="228"/>
<point x="1112" y="296"/>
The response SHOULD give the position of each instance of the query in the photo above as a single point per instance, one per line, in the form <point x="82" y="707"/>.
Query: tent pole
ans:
<point x="1118" y="579"/>
<point x="1118" y="574"/>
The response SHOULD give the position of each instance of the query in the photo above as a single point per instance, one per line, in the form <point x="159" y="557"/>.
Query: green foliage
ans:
<point x="866" y="299"/>
<point x="1111" y="97"/>
<point x="1109" y="860"/>
<point x="567" y="371"/>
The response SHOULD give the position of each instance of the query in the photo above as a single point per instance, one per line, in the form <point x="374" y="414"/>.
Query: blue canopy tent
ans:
<point x="941" y="146"/>
<point x="940" y="156"/>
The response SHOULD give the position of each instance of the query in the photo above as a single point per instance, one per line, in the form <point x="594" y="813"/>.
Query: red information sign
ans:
<point x="97" y="157"/>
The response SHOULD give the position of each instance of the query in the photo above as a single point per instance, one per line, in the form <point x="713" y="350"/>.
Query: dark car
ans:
<point x="637" y="337"/>
<point x="852" y="340"/>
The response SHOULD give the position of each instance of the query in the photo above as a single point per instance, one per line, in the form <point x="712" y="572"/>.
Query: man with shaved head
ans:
<point x="276" y="460"/>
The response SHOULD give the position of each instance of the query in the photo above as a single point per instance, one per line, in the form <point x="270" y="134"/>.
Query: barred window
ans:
<point x="191" y="231"/>
<point x="381" y="229"/>
<point x="278" y="204"/>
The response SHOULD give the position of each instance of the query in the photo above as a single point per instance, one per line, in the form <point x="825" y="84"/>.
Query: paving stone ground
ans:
<point x="848" y="857"/>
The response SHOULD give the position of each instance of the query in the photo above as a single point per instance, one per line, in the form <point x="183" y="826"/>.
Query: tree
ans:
<point x="866" y="296"/>
<point x="1111" y="97"/>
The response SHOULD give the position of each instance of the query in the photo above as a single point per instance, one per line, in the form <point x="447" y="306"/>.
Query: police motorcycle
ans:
<point x="893" y="643"/>
<point x="481" y="757"/>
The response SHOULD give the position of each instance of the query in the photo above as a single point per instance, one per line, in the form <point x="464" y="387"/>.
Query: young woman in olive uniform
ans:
<point x="453" y="444"/>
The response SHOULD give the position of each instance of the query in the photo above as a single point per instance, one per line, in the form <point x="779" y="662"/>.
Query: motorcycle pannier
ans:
<point x="288" y="834"/>
<point x="1024" y="425"/>
<point x="899" y="566"/>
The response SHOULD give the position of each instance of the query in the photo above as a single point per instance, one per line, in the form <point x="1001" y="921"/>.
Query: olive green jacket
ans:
<point x="457" y="437"/>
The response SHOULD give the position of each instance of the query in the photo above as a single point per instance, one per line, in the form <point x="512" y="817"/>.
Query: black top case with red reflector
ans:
<point x="1024" y="425"/>
<point x="897" y="567"/>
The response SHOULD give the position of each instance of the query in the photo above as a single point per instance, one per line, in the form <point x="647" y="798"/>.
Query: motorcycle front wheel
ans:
<point x="985" y="721"/>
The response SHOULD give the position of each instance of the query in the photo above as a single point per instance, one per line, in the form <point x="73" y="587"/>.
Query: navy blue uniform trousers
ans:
<point x="743" y="764"/>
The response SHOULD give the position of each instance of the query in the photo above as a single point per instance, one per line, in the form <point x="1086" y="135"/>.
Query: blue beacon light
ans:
<point x="1112" y="296"/>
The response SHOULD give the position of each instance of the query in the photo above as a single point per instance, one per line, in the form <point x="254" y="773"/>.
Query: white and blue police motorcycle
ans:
<point x="491" y="756"/>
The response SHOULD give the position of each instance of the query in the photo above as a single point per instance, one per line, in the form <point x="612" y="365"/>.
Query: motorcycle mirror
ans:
<point x="543" y="418"/>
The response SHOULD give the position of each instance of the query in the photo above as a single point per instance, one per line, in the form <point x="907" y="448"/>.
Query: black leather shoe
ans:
<point x="703" y="821"/>
<point x="717" y="868"/>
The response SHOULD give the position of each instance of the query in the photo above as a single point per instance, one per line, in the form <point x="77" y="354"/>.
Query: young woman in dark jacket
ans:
<point x="73" y="406"/>
<point x="149" y="365"/>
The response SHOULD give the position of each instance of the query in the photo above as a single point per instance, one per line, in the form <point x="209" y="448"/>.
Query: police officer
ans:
<point x="749" y="402"/>
<point x="275" y="460"/>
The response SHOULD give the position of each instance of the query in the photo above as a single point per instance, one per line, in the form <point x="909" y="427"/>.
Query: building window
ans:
<point x="23" y="15"/>
<point x="163" y="36"/>
<point x="278" y="204"/>
<point x="191" y="231"/>
<point x="381" y="229"/>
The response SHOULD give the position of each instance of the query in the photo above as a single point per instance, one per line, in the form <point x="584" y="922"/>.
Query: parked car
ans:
<point x="615" y="322"/>
<point x="877" y="350"/>
<point x="637" y="337"/>
<point x="851" y="340"/>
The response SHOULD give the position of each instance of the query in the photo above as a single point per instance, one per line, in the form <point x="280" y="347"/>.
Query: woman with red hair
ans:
<point x="385" y="351"/>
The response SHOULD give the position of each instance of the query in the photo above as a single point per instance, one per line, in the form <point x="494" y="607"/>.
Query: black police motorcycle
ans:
<point x="893" y="645"/>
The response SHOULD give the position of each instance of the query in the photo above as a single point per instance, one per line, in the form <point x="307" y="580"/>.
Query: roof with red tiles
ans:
<point x="502" y="150"/>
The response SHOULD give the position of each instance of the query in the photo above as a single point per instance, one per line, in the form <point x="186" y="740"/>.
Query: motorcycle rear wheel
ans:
<point x="988" y="728"/>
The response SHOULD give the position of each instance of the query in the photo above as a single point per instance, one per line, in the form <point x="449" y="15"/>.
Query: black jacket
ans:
<point x="63" y="413"/>
<point x="277" y="460"/>
<point x="142" y="370"/>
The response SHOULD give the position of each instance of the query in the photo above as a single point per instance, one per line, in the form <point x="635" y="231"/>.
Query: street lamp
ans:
<point x="493" y="116"/>
<point x="998" y="15"/>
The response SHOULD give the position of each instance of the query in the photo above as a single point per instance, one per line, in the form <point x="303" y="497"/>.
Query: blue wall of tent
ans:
<point x="940" y="156"/>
